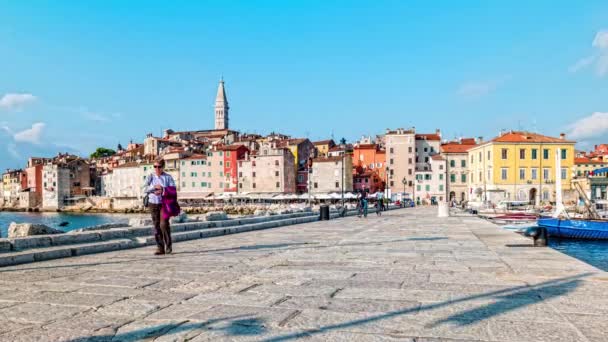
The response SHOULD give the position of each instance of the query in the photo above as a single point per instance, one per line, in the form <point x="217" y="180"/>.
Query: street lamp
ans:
<point x="343" y="145"/>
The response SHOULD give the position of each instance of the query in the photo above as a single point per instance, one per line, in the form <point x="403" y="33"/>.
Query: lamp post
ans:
<point x="343" y="145"/>
<point x="386" y="181"/>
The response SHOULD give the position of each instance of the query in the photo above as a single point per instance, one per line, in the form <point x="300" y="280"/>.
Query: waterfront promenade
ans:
<point x="404" y="276"/>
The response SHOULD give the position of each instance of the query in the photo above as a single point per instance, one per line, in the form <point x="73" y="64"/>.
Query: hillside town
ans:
<point x="223" y="164"/>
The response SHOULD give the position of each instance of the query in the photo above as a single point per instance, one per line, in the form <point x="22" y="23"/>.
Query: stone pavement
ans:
<point x="404" y="276"/>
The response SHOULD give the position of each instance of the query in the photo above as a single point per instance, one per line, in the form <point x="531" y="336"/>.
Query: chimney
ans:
<point x="479" y="140"/>
<point x="438" y="132"/>
<point x="562" y="136"/>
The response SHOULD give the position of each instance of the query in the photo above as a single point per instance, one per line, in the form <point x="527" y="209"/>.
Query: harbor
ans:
<point x="406" y="275"/>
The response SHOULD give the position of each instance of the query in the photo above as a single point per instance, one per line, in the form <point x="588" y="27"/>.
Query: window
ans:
<point x="417" y="187"/>
<point x="545" y="195"/>
<point x="534" y="174"/>
<point x="221" y="174"/>
<point x="316" y="185"/>
<point x="193" y="184"/>
<point x="409" y="149"/>
<point x="427" y="187"/>
<point x="409" y="160"/>
<point x="545" y="153"/>
<point x="300" y="178"/>
<point x="203" y="184"/>
<point x="391" y="150"/>
<point x="391" y="161"/>
<point x="240" y="174"/>
<point x="222" y="185"/>
<point x="208" y="163"/>
<point x="546" y="173"/>
<point x="227" y="153"/>
<point x="253" y="174"/>
<point x="337" y="184"/>
<point x="221" y="153"/>
<point x="489" y="155"/>
<point x="409" y="171"/>
<point x="253" y="185"/>
<point x="441" y="167"/>
<point x="228" y="175"/>
<point x="489" y="175"/>
<point x="534" y="154"/>
<point x="228" y="164"/>
<point x="392" y="183"/>
<point x="463" y="178"/>
<point x="453" y="178"/>
<point x="564" y="172"/>
<point x="452" y="163"/>
<point x="440" y="187"/>
<point x="208" y="174"/>
<point x="278" y="184"/>
<point x="416" y="159"/>
<point x="504" y="153"/>
<point x="463" y="163"/>
<point x="276" y="173"/>
<point x="503" y="173"/>
<point x="480" y="157"/>
<point x="276" y="163"/>
<point x="522" y="153"/>
<point x="432" y="149"/>
<point x="564" y="154"/>
<point x="522" y="174"/>
<point x="480" y="176"/>
<point x="240" y="185"/>
<point x="183" y="174"/>
<point x="441" y="176"/>
<point x="183" y="184"/>
<point x="426" y="149"/>
<point x="222" y="163"/>
<point x="208" y="185"/>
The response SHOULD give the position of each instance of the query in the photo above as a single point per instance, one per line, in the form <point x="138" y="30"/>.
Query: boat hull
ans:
<point x="575" y="228"/>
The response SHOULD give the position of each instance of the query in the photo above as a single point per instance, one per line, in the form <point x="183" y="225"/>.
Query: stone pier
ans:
<point x="404" y="276"/>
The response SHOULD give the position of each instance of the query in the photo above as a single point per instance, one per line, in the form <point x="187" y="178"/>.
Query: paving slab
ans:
<point x="405" y="276"/>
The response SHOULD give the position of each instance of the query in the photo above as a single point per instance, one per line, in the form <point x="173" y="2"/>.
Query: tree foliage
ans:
<point x="102" y="152"/>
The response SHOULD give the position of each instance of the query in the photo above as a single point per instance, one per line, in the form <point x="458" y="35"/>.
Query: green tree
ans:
<point x="102" y="152"/>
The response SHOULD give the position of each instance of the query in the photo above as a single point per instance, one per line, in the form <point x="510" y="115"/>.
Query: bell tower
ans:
<point x="221" y="107"/>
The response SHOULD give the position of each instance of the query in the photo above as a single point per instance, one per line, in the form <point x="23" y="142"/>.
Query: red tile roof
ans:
<point x="527" y="137"/>
<point x="587" y="161"/>
<point x="437" y="157"/>
<point x="432" y="136"/>
<point x="456" y="148"/>
<point x="195" y="157"/>
<point x="323" y="142"/>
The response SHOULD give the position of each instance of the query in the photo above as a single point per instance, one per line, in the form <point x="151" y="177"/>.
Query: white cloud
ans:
<point x="582" y="63"/>
<point x="30" y="135"/>
<point x="12" y="150"/>
<point x="599" y="59"/>
<point x="477" y="89"/>
<point x="16" y="100"/>
<point x="590" y="126"/>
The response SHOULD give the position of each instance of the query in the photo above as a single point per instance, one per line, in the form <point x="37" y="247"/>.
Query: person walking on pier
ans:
<point x="160" y="186"/>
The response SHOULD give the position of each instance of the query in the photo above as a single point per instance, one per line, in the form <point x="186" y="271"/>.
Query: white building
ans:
<point x="125" y="184"/>
<point x="431" y="182"/>
<point x="195" y="177"/>
<point x="55" y="186"/>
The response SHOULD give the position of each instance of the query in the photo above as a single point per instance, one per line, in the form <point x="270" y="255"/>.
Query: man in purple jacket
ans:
<point x="156" y="184"/>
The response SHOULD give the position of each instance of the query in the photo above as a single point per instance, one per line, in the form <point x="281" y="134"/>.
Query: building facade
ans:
<point x="457" y="172"/>
<point x="431" y="182"/>
<point x="520" y="166"/>
<point x="270" y="170"/>
<point x="400" y="157"/>
<point x="331" y="174"/>
<point x="56" y="184"/>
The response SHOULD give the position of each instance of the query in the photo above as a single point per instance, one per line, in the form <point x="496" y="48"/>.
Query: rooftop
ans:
<point x="528" y="137"/>
<point x="587" y="161"/>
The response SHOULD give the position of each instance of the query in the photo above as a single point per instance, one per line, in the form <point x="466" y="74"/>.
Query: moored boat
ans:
<point x="575" y="228"/>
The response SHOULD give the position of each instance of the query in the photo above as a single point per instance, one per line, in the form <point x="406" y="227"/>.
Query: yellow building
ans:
<point x="323" y="147"/>
<point x="520" y="166"/>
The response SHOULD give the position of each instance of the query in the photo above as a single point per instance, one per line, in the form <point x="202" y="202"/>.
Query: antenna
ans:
<point x="534" y="126"/>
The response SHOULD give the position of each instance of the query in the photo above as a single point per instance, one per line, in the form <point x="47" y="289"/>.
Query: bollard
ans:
<point x="541" y="240"/>
<point x="324" y="213"/>
<point x="443" y="210"/>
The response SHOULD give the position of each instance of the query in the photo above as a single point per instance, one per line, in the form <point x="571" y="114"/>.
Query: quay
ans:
<point x="404" y="276"/>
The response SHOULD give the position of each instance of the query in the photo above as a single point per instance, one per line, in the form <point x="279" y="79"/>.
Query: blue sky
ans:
<point x="75" y="75"/>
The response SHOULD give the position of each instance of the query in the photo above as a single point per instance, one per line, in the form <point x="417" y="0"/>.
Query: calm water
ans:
<point x="54" y="219"/>
<point x="594" y="253"/>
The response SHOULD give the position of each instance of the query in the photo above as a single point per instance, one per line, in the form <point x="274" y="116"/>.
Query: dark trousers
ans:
<point x="162" y="229"/>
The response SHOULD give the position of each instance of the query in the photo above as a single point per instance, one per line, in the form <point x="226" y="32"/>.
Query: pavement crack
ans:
<point x="289" y="318"/>
<point x="249" y="288"/>
<point x="333" y="294"/>
<point x="280" y="301"/>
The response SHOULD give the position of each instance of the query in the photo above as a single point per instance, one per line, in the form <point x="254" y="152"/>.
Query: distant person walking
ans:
<point x="363" y="203"/>
<point x="162" y="202"/>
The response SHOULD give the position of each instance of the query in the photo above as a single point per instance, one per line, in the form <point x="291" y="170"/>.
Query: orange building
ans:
<point x="369" y="167"/>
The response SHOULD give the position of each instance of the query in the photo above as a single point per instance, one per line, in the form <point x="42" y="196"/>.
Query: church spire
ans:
<point x="221" y="107"/>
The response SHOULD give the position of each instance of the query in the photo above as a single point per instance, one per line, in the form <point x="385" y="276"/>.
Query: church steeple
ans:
<point x="221" y="107"/>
